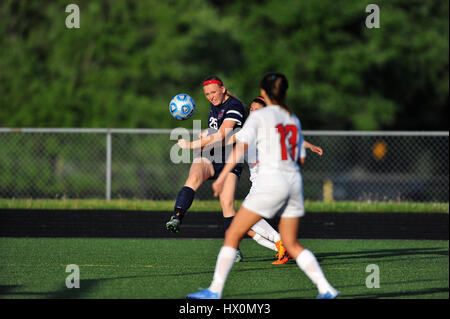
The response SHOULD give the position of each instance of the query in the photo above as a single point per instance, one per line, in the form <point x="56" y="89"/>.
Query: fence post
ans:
<point x="108" y="164"/>
<point x="328" y="191"/>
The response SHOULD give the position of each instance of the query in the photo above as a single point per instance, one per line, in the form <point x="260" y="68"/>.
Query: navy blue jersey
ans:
<point x="231" y="109"/>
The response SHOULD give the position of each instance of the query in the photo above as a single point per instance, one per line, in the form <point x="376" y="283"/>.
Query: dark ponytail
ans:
<point x="275" y="84"/>
<point x="260" y="100"/>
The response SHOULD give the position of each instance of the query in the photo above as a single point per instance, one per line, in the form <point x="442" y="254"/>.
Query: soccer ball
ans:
<point x="182" y="106"/>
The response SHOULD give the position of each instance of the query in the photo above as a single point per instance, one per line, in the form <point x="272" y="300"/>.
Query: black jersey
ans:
<point x="231" y="109"/>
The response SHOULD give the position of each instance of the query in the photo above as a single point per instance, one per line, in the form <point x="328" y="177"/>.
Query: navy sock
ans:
<point x="184" y="201"/>
<point x="227" y="222"/>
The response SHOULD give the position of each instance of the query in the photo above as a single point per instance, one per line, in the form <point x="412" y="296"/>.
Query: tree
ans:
<point x="129" y="58"/>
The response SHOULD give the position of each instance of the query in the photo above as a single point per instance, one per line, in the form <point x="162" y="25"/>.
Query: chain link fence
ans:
<point x="136" y="164"/>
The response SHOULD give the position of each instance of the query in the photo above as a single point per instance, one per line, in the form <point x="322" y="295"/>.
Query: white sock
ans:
<point x="265" y="242"/>
<point x="263" y="228"/>
<point x="308" y="263"/>
<point x="225" y="261"/>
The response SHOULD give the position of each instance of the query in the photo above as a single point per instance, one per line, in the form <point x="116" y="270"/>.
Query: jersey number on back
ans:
<point x="284" y="131"/>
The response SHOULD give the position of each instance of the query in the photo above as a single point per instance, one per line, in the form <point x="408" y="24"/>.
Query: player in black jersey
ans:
<point x="226" y="114"/>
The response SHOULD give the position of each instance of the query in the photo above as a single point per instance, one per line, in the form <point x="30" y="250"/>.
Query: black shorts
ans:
<point x="218" y="167"/>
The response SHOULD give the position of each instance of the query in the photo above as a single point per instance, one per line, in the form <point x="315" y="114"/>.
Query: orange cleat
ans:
<point x="280" y="248"/>
<point x="282" y="260"/>
<point x="282" y="254"/>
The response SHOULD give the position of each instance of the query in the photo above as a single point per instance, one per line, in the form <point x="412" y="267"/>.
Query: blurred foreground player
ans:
<point x="262" y="232"/>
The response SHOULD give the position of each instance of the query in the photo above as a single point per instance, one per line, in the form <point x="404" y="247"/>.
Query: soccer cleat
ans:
<point x="328" y="295"/>
<point x="282" y="254"/>
<point x="282" y="260"/>
<point x="239" y="257"/>
<point x="173" y="224"/>
<point x="280" y="248"/>
<point x="204" y="294"/>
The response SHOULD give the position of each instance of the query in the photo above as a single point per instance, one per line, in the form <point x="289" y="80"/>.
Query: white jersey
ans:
<point x="277" y="136"/>
<point x="251" y="157"/>
<point x="276" y="180"/>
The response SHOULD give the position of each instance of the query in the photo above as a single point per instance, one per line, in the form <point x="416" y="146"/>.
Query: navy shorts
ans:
<point x="218" y="167"/>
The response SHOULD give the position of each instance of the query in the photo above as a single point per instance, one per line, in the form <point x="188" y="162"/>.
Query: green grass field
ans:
<point x="214" y="205"/>
<point x="166" y="269"/>
<point x="156" y="268"/>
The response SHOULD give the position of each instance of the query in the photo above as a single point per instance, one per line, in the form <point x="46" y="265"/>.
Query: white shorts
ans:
<point x="276" y="193"/>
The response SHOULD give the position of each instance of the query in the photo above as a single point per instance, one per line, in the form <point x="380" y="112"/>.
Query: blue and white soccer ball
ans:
<point x="182" y="106"/>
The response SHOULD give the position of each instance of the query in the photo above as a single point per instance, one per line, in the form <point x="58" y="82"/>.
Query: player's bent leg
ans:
<point x="200" y="171"/>
<point x="241" y="224"/>
<point x="264" y="229"/>
<point x="227" y="204"/>
<point x="268" y="237"/>
<point x="263" y="241"/>
<point x="227" y="196"/>
<point x="288" y="228"/>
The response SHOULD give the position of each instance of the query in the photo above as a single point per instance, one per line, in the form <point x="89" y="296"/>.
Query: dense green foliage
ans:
<point x="128" y="58"/>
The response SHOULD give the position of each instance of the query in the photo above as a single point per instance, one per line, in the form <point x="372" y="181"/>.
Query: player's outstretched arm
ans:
<point x="316" y="149"/>
<point x="218" y="137"/>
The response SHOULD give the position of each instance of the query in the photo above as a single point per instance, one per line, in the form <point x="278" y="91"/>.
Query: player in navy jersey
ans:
<point x="226" y="114"/>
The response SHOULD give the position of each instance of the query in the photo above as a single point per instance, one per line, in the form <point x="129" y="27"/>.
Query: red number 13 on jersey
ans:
<point x="284" y="131"/>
